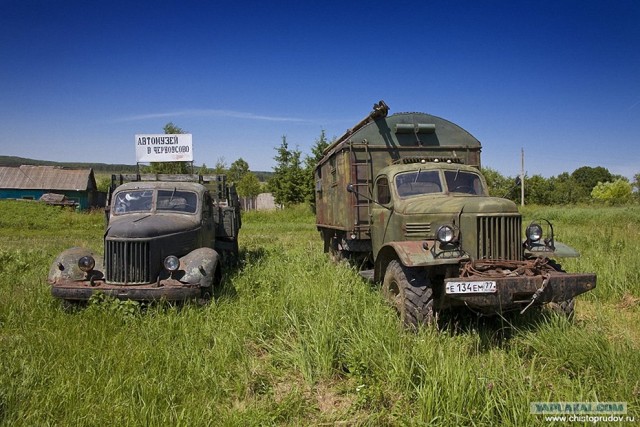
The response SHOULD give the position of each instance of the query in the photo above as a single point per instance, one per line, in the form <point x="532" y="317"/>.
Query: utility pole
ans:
<point x="522" y="177"/>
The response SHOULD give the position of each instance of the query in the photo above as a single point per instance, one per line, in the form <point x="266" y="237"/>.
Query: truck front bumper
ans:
<point x="167" y="290"/>
<point x="514" y="292"/>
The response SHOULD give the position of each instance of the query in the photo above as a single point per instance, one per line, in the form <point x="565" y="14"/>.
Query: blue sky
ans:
<point x="559" y="79"/>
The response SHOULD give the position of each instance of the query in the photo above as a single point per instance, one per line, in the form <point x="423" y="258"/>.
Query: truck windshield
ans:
<point x="420" y="182"/>
<point x="177" y="201"/>
<point x="133" y="201"/>
<point x="464" y="182"/>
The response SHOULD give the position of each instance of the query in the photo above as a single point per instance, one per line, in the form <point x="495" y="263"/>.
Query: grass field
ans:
<point x="297" y="340"/>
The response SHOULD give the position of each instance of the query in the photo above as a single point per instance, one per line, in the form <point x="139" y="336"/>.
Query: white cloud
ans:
<point x="210" y="113"/>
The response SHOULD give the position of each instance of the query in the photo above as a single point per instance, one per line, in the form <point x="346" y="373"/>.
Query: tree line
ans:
<point x="582" y="186"/>
<point x="13" y="161"/>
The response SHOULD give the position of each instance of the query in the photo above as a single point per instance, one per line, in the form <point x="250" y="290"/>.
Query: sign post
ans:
<point x="152" y="148"/>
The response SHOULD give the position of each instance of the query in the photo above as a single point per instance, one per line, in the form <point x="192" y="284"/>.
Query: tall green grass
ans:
<point x="294" y="339"/>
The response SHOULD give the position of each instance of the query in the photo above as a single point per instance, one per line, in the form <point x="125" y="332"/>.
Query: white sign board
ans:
<point x="164" y="148"/>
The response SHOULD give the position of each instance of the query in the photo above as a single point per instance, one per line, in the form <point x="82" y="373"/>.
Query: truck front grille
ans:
<point x="500" y="237"/>
<point x="127" y="262"/>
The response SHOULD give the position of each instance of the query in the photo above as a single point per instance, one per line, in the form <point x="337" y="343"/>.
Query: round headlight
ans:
<point x="86" y="263"/>
<point x="534" y="232"/>
<point x="445" y="234"/>
<point x="171" y="263"/>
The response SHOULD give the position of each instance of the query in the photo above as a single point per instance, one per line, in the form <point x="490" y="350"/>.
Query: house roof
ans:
<point x="47" y="178"/>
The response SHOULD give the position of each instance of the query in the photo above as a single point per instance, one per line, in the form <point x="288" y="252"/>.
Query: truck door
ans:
<point x="380" y="213"/>
<point x="208" y="223"/>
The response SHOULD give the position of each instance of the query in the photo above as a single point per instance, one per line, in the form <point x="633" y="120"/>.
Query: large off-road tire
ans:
<point x="409" y="291"/>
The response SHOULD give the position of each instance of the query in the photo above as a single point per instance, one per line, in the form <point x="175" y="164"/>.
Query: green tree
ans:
<point x="311" y="162"/>
<point x="538" y="190"/>
<point x="103" y="183"/>
<point x="288" y="183"/>
<point x="221" y="167"/>
<point x="171" y="167"/>
<point x="249" y="186"/>
<point x="586" y="178"/>
<point x="498" y="185"/>
<point x="564" y="190"/>
<point x="613" y="193"/>
<point x="238" y="170"/>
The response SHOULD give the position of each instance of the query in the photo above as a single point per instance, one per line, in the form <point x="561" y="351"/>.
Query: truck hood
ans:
<point x="446" y="204"/>
<point x="149" y="226"/>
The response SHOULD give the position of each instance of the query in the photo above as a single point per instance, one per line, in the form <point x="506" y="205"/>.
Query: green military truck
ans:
<point x="403" y="197"/>
<point x="166" y="239"/>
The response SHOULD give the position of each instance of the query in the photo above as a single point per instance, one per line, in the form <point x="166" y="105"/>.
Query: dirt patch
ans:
<point x="629" y="301"/>
<point x="330" y="400"/>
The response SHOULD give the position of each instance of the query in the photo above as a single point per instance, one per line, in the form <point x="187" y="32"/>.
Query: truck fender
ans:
<point x="201" y="266"/>
<point x="560" y="250"/>
<point x="410" y="254"/>
<point x="65" y="266"/>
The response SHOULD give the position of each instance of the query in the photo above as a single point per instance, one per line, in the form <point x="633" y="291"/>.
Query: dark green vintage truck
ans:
<point x="403" y="197"/>
<point x="166" y="239"/>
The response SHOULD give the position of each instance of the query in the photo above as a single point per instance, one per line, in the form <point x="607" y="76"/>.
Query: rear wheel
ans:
<point x="409" y="291"/>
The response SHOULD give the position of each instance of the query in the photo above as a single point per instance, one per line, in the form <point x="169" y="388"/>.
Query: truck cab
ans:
<point x="413" y="199"/>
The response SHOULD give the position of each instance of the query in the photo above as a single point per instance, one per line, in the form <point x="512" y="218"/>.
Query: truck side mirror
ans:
<point x="352" y="189"/>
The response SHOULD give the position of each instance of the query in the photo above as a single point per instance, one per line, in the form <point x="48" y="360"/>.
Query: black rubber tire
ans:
<point x="408" y="290"/>
<point x="230" y="253"/>
<point x="206" y="293"/>
<point x="336" y="254"/>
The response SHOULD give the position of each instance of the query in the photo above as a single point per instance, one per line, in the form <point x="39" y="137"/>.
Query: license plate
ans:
<point x="488" y="286"/>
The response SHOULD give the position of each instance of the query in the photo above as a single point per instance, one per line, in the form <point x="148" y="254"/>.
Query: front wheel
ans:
<point x="409" y="291"/>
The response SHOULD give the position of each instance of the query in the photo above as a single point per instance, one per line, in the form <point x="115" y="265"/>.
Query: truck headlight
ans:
<point x="445" y="234"/>
<point x="86" y="263"/>
<point x="171" y="263"/>
<point x="534" y="232"/>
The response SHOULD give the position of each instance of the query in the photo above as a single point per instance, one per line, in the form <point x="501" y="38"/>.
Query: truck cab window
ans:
<point x="384" y="196"/>
<point x="133" y="201"/>
<point x="420" y="182"/>
<point x="177" y="201"/>
<point x="464" y="182"/>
